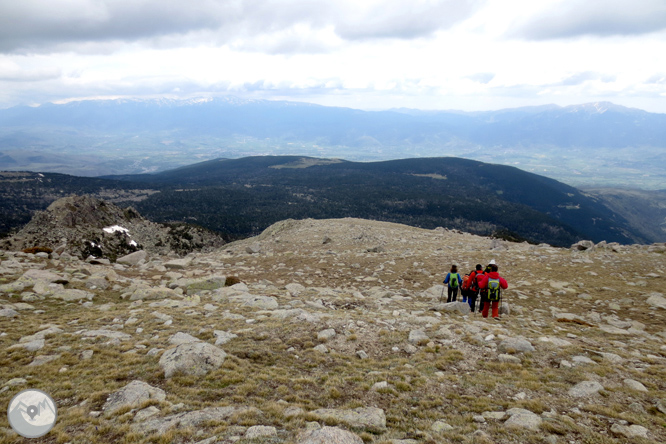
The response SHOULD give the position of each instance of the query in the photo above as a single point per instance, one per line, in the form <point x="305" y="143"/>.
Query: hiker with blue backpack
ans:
<point x="493" y="284"/>
<point x="454" y="282"/>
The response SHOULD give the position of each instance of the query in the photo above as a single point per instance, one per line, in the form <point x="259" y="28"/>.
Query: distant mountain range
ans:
<point x="599" y="143"/>
<point x="241" y="197"/>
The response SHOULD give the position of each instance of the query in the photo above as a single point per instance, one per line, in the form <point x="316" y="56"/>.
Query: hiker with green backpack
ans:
<point x="493" y="283"/>
<point x="454" y="282"/>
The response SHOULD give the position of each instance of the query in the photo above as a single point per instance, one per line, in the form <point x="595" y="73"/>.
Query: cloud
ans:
<point x="657" y="79"/>
<point x="575" y="18"/>
<point x="406" y="20"/>
<point x="35" y="26"/>
<point x="582" y="77"/>
<point x="482" y="77"/>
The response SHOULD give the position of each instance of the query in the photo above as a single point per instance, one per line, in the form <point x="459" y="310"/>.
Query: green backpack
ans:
<point x="494" y="289"/>
<point x="453" y="280"/>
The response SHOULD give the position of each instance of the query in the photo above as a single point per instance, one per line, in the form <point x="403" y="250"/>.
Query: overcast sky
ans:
<point x="368" y="54"/>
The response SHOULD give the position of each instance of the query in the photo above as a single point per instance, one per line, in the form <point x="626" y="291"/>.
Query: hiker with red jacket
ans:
<point x="473" y="286"/>
<point x="493" y="283"/>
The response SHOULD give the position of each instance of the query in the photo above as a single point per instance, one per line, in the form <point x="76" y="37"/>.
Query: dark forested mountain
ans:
<point x="241" y="197"/>
<point x="598" y="143"/>
<point x="246" y="195"/>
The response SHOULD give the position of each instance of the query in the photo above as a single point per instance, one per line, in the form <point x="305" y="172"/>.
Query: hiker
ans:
<point x="473" y="286"/>
<point x="493" y="283"/>
<point x="454" y="281"/>
<point x="464" y="288"/>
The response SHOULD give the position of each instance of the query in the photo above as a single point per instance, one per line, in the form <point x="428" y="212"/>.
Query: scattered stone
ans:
<point x="418" y="336"/>
<point x="362" y="354"/>
<point x="133" y="259"/>
<point x="44" y="359"/>
<point x="223" y="337"/>
<point x="86" y="355"/>
<point x="515" y="345"/>
<point x="509" y="359"/>
<point x="31" y="346"/>
<point x="178" y="264"/>
<point x="132" y="395"/>
<point x="635" y="385"/>
<point x="260" y="431"/>
<point x="521" y="418"/>
<point x="632" y="431"/>
<point x="111" y="334"/>
<point x="379" y="385"/>
<point x="182" y="338"/>
<point x="657" y="300"/>
<point x="292" y="412"/>
<point x="8" y="313"/>
<point x="146" y="413"/>
<point x="580" y="360"/>
<point x="585" y="389"/>
<point x="73" y="295"/>
<point x="325" y="335"/>
<point x="321" y="348"/>
<point x="555" y="341"/>
<point x="190" y="419"/>
<point x="194" y="358"/>
<point x="370" y="419"/>
<point x="661" y="405"/>
<point x="328" y="435"/>
<point x="461" y="308"/>
<point x="440" y="426"/>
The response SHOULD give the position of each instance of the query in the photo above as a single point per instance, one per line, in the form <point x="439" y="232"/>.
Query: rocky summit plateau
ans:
<point x="334" y="331"/>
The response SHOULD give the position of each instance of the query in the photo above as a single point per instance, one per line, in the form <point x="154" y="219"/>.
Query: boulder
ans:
<point x="582" y="245"/>
<point x="182" y="338"/>
<point x="133" y="258"/>
<point x="222" y="337"/>
<point x="328" y="435"/>
<point x="635" y="385"/>
<point x="132" y="396"/>
<point x="522" y="419"/>
<point x="152" y="293"/>
<point x="657" y="300"/>
<point x="178" y="264"/>
<point x="260" y="431"/>
<point x="515" y="345"/>
<point x="8" y="313"/>
<point x="325" y="335"/>
<point x="190" y="419"/>
<point x="370" y="419"/>
<point x="73" y="295"/>
<point x="585" y="389"/>
<point x="632" y="431"/>
<point x="417" y="336"/>
<point x="194" y="358"/>
<point x="453" y="307"/>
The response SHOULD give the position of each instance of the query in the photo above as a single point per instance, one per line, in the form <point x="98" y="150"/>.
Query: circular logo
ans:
<point x="32" y="413"/>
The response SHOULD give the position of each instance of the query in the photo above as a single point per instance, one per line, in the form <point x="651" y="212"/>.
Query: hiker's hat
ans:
<point x="492" y="262"/>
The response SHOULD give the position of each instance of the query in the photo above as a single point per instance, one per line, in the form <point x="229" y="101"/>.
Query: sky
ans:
<point x="367" y="54"/>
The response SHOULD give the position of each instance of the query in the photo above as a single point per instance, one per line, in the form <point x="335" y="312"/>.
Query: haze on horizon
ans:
<point x="427" y="54"/>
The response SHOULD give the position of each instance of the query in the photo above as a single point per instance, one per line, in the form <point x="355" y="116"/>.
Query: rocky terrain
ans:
<point x="85" y="226"/>
<point x="333" y="331"/>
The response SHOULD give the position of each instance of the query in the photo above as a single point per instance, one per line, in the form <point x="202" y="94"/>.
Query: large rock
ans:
<point x="182" y="338"/>
<point x="417" y="336"/>
<point x="33" y="276"/>
<point x="190" y="419"/>
<point x="193" y="286"/>
<point x="585" y="389"/>
<point x="132" y="395"/>
<point x="369" y="419"/>
<point x="633" y="431"/>
<point x="73" y="295"/>
<point x="178" y="264"/>
<point x="260" y="431"/>
<point x="657" y="300"/>
<point x="194" y="358"/>
<point x="222" y="337"/>
<point x="152" y="293"/>
<point x="522" y="419"/>
<point x="111" y="334"/>
<point x="328" y="435"/>
<point x="260" y="302"/>
<point x="453" y="307"/>
<point x="515" y="345"/>
<point x="133" y="258"/>
<point x="582" y="245"/>
<point x="8" y="313"/>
